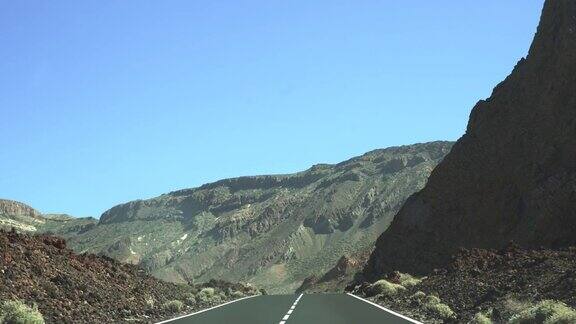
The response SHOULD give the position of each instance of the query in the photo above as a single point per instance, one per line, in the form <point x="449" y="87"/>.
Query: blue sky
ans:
<point x="102" y="102"/>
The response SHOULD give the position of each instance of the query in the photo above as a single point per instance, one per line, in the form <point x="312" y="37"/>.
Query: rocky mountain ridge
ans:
<point x="512" y="176"/>
<point x="273" y="231"/>
<point x="17" y="215"/>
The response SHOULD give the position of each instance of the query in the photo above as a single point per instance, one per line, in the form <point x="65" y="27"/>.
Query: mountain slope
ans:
<point x="273" y="231"/>
<point x="512" y="176"/>
<point x="17" y="215"/>
<point x="72" y="288"/>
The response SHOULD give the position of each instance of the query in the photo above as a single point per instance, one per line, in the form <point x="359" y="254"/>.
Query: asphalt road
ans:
<point x="307" y="309"/>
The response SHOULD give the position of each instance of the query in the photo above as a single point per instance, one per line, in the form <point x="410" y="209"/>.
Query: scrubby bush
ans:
<point x="208" y="295"/>
<point x="173" y="306"/>
<point x="565" y="318"/>
<point x="407" y="280"/>
<point x="16" y="312"/>
<point x="434" y="304"/>
<point x="202" y="299"/>
<point x="190" y="299"/>
<point x="442" y="310"/>
<point x="431" y="299"/>
<point x="385" y="288"/>
<point x="237" y="294"/>
<point x="208" y="291"/>
<point x="419" y="295"/>
<point x="546" y="312"/>
<point x="150" y="301"/>
<point x="481" y="318"/>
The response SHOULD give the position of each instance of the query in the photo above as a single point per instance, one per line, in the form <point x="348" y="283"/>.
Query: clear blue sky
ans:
<point x="102" y="102"/>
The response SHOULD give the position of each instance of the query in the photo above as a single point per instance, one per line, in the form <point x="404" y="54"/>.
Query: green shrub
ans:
<point x="431" y="299"/>
<point x="209" y="296"/>
<point x="546" y="312"/>
<point x="190" y="299"/>
<point x="564" y="318"/>
<point x="208" y="291"/>
<point x="202" y="298"/>
<point x="407" y="280"/>
<point x="434" y="304"/>
<point x="150" y="301"/>
<point x="419" y="295"/>
<point x="481" y="318"/>
<point x="173" y="306"/>
<point x="16" y="312"/>
<point x="442" y="310"/>
<point x="386" y="288"/>
<point x="237" y="294"/>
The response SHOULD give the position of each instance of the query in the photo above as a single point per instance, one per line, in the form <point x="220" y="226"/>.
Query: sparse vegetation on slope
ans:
<point x="16" y="312"/>
<point x="546" y="312"/>
<point x="484" y="286"/>
<point x="273" y="231"/>
<point x="71" y="288"/>
<point x="385" y="288"/>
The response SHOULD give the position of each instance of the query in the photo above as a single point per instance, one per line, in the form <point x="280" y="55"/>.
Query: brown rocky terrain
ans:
<point x="497" y="283"/>
<point x="85" y="288"/>
<point x="512" y="176"/>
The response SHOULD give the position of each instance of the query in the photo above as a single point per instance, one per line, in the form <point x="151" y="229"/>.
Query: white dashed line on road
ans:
<point x="285" y="318"/>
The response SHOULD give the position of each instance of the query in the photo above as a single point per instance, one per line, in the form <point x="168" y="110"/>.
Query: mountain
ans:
<point x="272" y="231"/>
<point x="512" y="176"/>
<point x="19" y="215"/>
<point x="14" y="214"/>
<point x="65" y="287"/>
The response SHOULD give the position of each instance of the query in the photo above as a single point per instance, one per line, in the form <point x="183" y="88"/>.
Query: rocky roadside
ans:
<point x="486" y="286"/>
<point x="70" y="288"/>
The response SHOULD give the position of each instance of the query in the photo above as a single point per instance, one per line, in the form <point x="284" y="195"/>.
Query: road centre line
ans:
<point x="285" y="318"/>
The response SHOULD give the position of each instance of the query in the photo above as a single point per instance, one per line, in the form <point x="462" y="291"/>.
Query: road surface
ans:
<point x="296" y="309"/>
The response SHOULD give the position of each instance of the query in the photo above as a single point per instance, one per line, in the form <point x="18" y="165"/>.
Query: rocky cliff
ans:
<point x="273" y="231"/>
<point x="14" y="208"/>
<point x="512" y="176"/>
<point x="20" y="216"/>
<point x="17" y="215"/>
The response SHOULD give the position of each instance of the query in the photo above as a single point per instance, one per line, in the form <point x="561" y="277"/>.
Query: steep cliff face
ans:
<point x="272" y="231"/>
<point x="14" y="208"/>
<point x="512" y="176"/>
<point x="20" y="216"/>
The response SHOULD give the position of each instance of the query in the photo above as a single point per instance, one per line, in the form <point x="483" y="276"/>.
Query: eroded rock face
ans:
<point x="14" y="208"/>
<point x="512" y="176"/>
<point x="273" y="230"/>
<point x="23" y="218"/>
